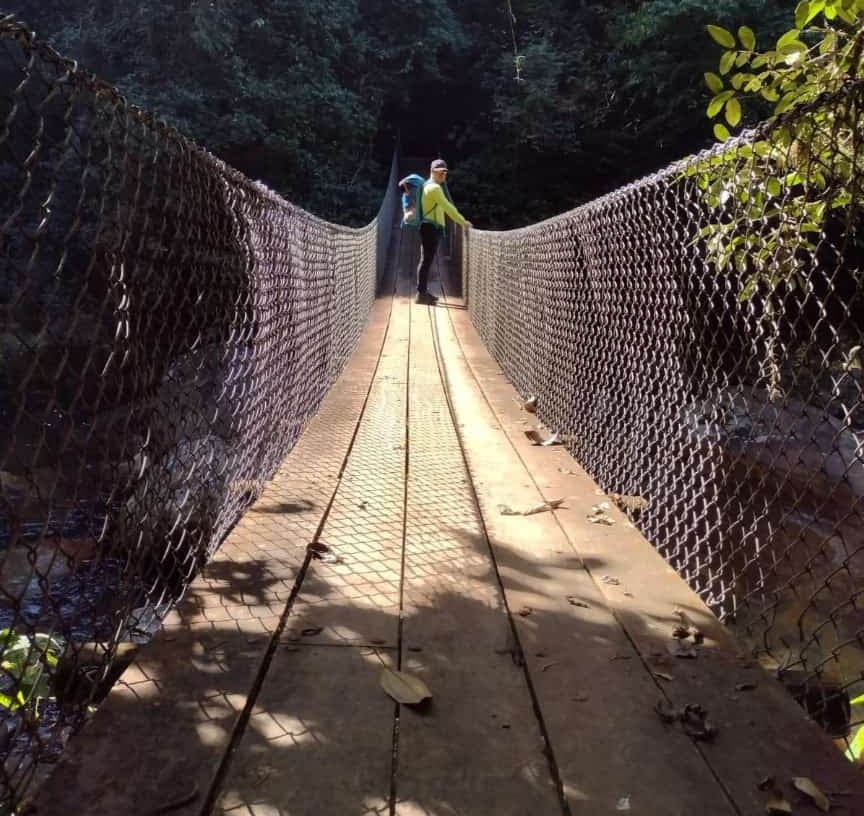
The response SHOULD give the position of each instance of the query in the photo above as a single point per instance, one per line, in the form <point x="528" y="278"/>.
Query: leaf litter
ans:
<point x="809" y="789"/>
<point x="692" y="717"/>
<point x="546" y="506"/>
<point x="536" y="438"/>
<point x="321" y="552"/>
<point x="404" y="688"/>
<point x="598" y="514"/>
<point x="631" y="503"/>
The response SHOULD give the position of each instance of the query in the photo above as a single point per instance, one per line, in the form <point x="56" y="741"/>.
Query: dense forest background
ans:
<point x="536" y="111"/>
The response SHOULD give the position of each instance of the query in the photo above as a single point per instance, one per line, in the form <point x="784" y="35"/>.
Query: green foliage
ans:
<point x="27" y="663"/>
<point x="773" y="196"/>
<point x="308" y="97"/>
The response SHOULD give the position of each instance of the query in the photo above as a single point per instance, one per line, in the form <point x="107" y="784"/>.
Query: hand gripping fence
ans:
<point x="167" y="326"/>
<point x="696" y="338"/>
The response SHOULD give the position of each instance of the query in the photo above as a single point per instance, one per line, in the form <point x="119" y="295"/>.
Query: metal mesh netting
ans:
<point x="696" y="338"/>
<point x="167" y="326"/>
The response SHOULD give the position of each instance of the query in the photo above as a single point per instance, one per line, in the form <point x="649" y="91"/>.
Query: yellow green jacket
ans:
<point x="436" y="206"/>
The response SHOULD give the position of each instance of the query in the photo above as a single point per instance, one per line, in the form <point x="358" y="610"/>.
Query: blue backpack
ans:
<point x="412" y="200"/>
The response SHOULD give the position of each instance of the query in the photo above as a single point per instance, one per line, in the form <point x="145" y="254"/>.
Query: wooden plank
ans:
<point x="319" y="740"/>
<point x="596" y="697"/>
<point x="356" y="600"/>
<point x="762" y="732"/>
<point x="478" y="747"/>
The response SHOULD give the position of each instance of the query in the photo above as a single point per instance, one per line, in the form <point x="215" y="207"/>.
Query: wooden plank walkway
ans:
<point x="543" y="637"/>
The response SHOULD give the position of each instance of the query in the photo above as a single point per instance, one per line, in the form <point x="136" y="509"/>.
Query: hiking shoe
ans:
<point x="427" y="298"/>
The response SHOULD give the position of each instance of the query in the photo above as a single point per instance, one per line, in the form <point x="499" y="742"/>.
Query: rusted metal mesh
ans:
<point x="167" y="326"/>
<point x="696" y="339"/>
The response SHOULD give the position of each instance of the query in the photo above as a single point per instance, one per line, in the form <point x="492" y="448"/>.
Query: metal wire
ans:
<point x="696" y="338"/>
<point x="167" y="327"/>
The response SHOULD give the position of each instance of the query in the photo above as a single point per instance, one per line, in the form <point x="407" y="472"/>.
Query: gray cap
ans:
<point x="438" y="164"/>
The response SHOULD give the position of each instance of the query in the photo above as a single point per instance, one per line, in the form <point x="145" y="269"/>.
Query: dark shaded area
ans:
<point x="310" y="97"/>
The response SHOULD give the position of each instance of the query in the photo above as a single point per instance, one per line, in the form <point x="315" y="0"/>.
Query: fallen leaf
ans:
<point x="574" y="601"/>
<point x="537" y="439"/>
<point x="808" y="788"/>
<point x="608" y="579"/>
<point x="311" y="631"/>
<point x="321" y="552"/>
<point x="694" y="720"/>
<point x="765" y="783"/>
<point x="687" y="628"/>
<point x="552" y="504"/>
<point x="663" y="676"/>
<point x="745" y="687"/>
<point x="525" y="611"/>
<point x="679" y="648"/>
<point x="568" y="472"/>
<point x="666" y="711"/>
<point x="530" y="405"/>
<point x="403" y="687"/>
<point x="549" y="665"/>
<point x="623" y="804"/>
<point x="598" y="514"/>
<point x="629" y="502"/>
<point x="581" y="697"/>
<point x="776" y="805"/>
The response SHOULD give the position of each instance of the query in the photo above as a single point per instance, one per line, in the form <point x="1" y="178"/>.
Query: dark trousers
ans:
<point x="430" y="236"/>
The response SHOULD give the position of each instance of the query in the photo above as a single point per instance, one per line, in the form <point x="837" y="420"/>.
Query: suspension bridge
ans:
<point x="603" y="498"/>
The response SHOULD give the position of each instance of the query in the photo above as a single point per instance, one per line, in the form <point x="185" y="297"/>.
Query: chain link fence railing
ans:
<point x="167" y="327"/>
<point x="696" y="338"/>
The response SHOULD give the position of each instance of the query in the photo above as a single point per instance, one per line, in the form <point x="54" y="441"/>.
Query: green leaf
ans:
<point x="12" y="703"/>
<point x="721" y="36"/>
<point x="747" y="37"/>
<point x="829" y="42"/>
<point x="753" y="85"/>
<point x="717" y="103"/>
<point x="726" y="62"/>
<point x="793" y="53"/>
<point x="785" y="103"/>
<point x="733" y="112"/>
<point x="816" y="7"/>
<point x="789" y="37"/>
<point x="714" y="83"/>
<point x="773" y="187"/>
<point x="721" y="133"/>
<point x="801" y="14"/>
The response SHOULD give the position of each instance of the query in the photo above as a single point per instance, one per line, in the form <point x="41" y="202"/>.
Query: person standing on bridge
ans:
<point x="435" y="206"/>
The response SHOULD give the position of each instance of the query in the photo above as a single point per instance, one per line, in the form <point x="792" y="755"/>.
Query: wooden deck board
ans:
<point x="595" y="694"/>
<point x="761" y="732"/>
<point x="434" y="578"/>
<point x="479" y="747"/>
